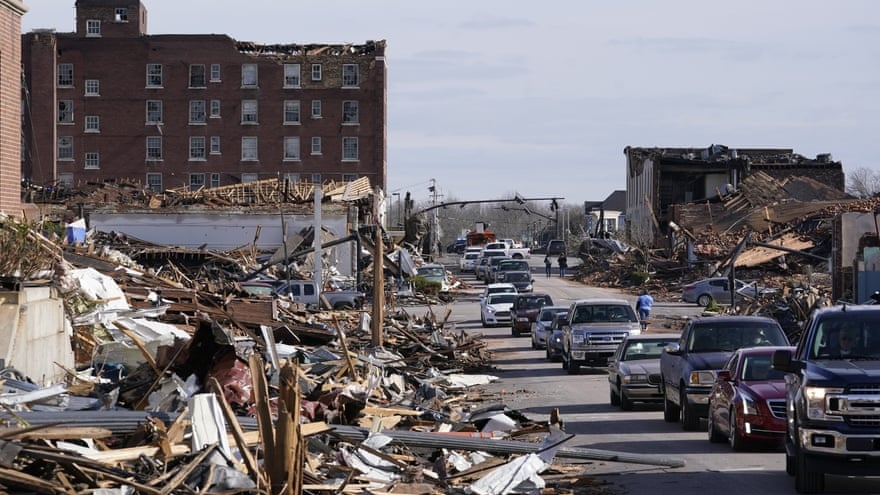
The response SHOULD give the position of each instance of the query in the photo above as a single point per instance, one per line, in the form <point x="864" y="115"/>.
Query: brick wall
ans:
<point x="10" y="105"/>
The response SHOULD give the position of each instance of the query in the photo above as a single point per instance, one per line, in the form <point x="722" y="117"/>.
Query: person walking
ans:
<point x="643" y="307"/>
<point x="563" y="264"/>
<point x="548" y="265"/>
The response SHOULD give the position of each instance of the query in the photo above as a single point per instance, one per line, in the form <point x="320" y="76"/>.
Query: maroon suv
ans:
<point x="525" y="311"/>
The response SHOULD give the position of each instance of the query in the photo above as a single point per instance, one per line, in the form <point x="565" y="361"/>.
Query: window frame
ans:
<point x="349" y="79"/>
<point x="214" y="145"/>
<point x="152" y="184"/>
<point x="151" y="146"/>
<point x="249" y="177"/>
<point x="215" y="179"/>
<point x="92" y="87"/>
<point x="214" y="112"/>
<point x="249" y="72"/>
<point x="155" y="76"/>
<point x="316" y="178"/>
<point x="193" y="181"/>
<point x="292" y="76"/>
<point x="316" y="145"/>
<point x="250" y="108"/>
<point x="92" y="161"/>
<point x="120" y="14"/>
<point x="350" y="143"/>
<point x="292" y="114"/>
<point x="350" y="112"/>
<point x="159" y="110"/>
<point x="65" y="112"/>
<point x="195" y="78"/>
<point x="93" y="28"/>
<point x="247" y="148"/>
<point x="317" y="72"/>
<point x="197" y="149"/>
<point x="349" y="177"/>
<point x="292" y="151"/>
<point x="92" y="124"/>
<point x="65" y="149"/>
<point x="197" y="112"/>
<point x="317" y="109"/>
<point x="65" y="75"/>
<point x="216" y="73"/>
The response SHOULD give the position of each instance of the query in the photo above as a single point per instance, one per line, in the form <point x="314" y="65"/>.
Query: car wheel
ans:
<point x="790" y="464"/>
<point x="689" y="420"/>
<point x="547" y="353"/>
<point x="714" y="435"/>
<point x="564" y="362"/>
<point x="670" y="410"/>
<point x="614" y="399"/>
<point x="573" y="367"/>
<point x="737" y="442"/>
<point x="625" y="403"/>
<point x="514" y="332"/>
<point x="806" y="481"/>
<point x="483" y="321"/>
<point x="704" y="300"/>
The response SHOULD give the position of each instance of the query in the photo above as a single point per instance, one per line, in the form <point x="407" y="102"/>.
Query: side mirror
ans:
<point x="723" y="375"/>
<point x="672" y="349"/>
<point x="782" y="361"/>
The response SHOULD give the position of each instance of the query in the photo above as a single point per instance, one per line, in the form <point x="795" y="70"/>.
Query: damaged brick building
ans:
<point x="196" y="110"/>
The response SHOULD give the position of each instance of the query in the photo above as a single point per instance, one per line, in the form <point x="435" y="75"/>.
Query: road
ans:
<point x="533" y="386"/>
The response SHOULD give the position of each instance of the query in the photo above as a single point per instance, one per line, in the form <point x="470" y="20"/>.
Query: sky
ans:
<point x="490" y="98"/>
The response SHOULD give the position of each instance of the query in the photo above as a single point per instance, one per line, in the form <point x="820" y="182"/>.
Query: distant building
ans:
<point x="110" y="102"/>
<point x="658" y="178"/>
<point x="10" y="113"/>
<point x="605" y="217"/>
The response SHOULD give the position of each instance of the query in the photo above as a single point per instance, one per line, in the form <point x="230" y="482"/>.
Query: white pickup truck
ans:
<point x="515" y="253"/>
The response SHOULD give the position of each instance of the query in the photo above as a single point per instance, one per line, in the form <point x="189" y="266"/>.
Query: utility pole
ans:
<point x="435" y="221"/>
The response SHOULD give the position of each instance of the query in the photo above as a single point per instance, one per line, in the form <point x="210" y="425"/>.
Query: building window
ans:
<point x="291" y="76"/>
<point x="215" y="109"/>
<point x="154" y="111"/>
<point x="66" y="179"/>
<point x="350" y="112"/>
<point x="349" y="75"/>
<point x="154" y="182"/>
<point x="248" y="111"/>
<point x="291" y="112"/>
<point x="65" y="75"/>
<point x="215" y="145"/>
<point x="316" y="109"/>
<point x="93" y="124"/>
<point x="196" y="181"/>
<point x="349" y="148"/>
<point x="215" y="180"/>
<point x="249" y="177"/>
<point x="65" y="148"/>
<point x="93" y="28"/>
<point x="215" y="72"/>
<point x="349" y="177"/>
<point x="316" y="146"/>
<point x="316" y="72"/>
<point x="292" y="177"/>
<point x="197" y="112"/>
<point x="121" y="14"/>
<point x="291" y="148"/>
<point x="316" y="178"/>
<point x="93" y="87"/>
<point x="197" y="76"/>
<point x="65" y="111"/>
<point x="154" y="75"/>
<point x="197" y="147"/>
<point x="154" y="148"/>
<point x="92" y="161"/>
<point x="249" y="148"/>
<point x="249" y="75"/>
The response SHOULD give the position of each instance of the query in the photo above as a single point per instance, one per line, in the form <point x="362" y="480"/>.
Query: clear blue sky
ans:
<point x="492" y="97"/>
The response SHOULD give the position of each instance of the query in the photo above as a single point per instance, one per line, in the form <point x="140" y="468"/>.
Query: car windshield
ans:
<point x="643" y="349"/>
<point x="757" y="368"/>
<point x="604" y="313"/>
<point x="532" y="302"/>
<point x="432" y="272"/>
<point x="847" y="335"/>
<point x="518" y="276"/>
<point x="720" y="336"/>
<point x="501" y="298"/>
<point x="501" y="290"/>
<point x="548" y="314"/>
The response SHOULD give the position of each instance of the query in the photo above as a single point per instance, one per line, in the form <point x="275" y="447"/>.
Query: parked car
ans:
<point x="554" y="340"/>
<point x="498" y="289"/>
<point x="703" y="292"/>
<point x="468" y="261"/>
<point x="521" y="280"/>
<point x="594" y="329"/>
<point x="435" y="272"/>
<point x="634" y="369"/>
<point x="495" y="309"/>
<point x="511" y="265"/>
<point x="305" y="292"/>
<point x="747" y="402"/>
<point x="525" y="310"/>
<point x="541" y="327"/>
<point x="555" y="247"/>
<point x="491" y="266"/>
<point x="480" y="267"/>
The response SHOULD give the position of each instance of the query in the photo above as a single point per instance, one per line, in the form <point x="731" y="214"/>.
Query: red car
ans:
<point x="747" y="402"/>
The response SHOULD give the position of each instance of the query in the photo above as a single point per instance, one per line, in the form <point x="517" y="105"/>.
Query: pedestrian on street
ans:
<point x="643" y="307"/>
<point x="563" y="264"/>
<point x="548" y="266"/>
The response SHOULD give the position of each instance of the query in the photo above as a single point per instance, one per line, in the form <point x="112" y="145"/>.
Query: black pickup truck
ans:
<point x="833" y="396"/>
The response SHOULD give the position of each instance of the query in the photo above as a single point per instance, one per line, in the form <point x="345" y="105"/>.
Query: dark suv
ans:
<point x="525" y="311"/>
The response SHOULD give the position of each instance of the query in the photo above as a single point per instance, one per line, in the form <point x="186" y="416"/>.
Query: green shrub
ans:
<point x="713" y="306"/>
<point x="639" y="278"/>
<point x="426" y="286"/>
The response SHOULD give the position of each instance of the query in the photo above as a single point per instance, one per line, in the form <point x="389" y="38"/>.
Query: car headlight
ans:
<point x="490" y="309"/>
<point x="578" y="338"/>
<point x="636" y="378"/>
<point x="702" y="378"/>
<point x="556" y="339"/>
<point x="817" y="403"/>
<point x="749" y="406"/>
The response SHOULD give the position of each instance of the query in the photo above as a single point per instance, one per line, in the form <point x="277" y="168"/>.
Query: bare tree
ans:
<point x="863" y="182"/>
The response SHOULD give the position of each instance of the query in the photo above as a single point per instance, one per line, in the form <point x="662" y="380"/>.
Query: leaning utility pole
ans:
<point x="378" y="318"/>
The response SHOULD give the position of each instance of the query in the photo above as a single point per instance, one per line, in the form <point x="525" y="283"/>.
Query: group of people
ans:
<point x="562" y="261"/>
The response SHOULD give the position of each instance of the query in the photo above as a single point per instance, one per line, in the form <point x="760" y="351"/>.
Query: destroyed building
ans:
<point x="658" y="178"/>
<point x="111" y="101"/>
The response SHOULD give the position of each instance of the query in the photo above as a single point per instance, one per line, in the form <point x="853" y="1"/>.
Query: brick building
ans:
<point x="111" y="102"/>
<point x="10" y="114"/>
